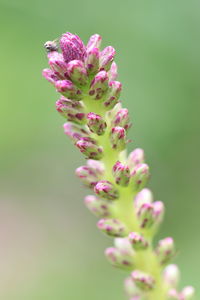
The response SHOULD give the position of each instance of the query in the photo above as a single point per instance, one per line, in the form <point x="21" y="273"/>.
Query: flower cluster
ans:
<point x="85" y="77"/>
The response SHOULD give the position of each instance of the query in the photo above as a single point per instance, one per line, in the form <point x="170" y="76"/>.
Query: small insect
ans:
<point x="51" y="46"/>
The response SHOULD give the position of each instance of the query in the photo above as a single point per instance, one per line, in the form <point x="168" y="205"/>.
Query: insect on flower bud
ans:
<point x="49" y="75"/>
<point x="145" y="215"/>
<point x="51" y="46"/>
<point x="144" y="196"/>
<point x="118" y="138"/>
<point x="96" y="123"/>
<point x="94" y="42"/>
<point x="142" y="280"/>
<point x="72" y="47"/>
<point x="138" y="241"/>
<point x="73" y="111"/>
<point x="57" y="64"/>
<point x="99" y="85"/>
<point x="136" y="157"/>
<point x="171" y="275"/>
<point x="92" y="60"/>
<point x="140" y="176"/>
<point x="106" y="189"/>
<point x="99" y="207"/>
<point x="187" y="293"/>
<point x="74" y="131"/>
<point x="77" y="72"/>
<point x="121" y="174"/>
<point x="89" y="148"/>
<point x="113" y="94"/>
<point x="122" y="119"/>
<point x="106" y="58"/>
<point x="68" y="89"/>
<point x="165" y="250"/>
<point x="113" y="72"/>
<point x="119" y="259"/>
<point x="112" y="227"/>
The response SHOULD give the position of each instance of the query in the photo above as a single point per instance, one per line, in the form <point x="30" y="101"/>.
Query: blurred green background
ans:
<point x="49" y="245"/>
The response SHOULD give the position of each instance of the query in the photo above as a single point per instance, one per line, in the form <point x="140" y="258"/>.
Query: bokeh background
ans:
<point x="49" y="245"/>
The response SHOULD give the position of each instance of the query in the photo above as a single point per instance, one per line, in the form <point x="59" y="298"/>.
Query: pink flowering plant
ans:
<point x="97" y="124"/>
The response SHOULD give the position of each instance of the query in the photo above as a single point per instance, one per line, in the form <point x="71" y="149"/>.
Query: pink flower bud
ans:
<point x="77" y="72"/>
<point x="71" y="110"/>
<point x="50" y="76"/>
<point x="112" y="227"/>
<point x="174" y="295"/>
<point x="75" y="132"/>
<point x="99" y="85"/>
<point x="119" y="259"/>
<point x="121" y="174"/>
<point x="187" y="293"/>
<point x="171" y="275"/>
<point x="99" y="207"/>
<point x="135" y="158"/>
<point x="57" y="64"/>
<point x="118" y="138"/>
<point x="144" y="196"/>
<point x="132" y="290"/>
<point x="122" y="119"/>
<point x="165" y="250"/>
<point x="106" y="189"/>
<point x="145" y="215"/>
<point x="92" y="60"/>
<point x="158" y="211"/>
<point x="68" y="89"/>
<point x="94" y="42"/>
<point x="142" y="280"/>
<point x="113" y="94"/>
<point x="138" y="241"/>
<point x="72" y="47"/>
<point x="140" y="176"/>
<point x="87" y="176"/>
<point x="113" y="72"/>
<point x="96" y="123"/>
<point x="89" y="148"/>
<point x="106" y="58"/>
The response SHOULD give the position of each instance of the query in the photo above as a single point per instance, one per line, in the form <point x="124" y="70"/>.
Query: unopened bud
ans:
<point x="90" y="148"/>
<point x="99" y="85"/>
<point x="171" y="275"/>
<point x="121" y="174"/>
<point x="68" y="89"/>
<point x="87" y="175"/>
<point x="113" y="94"/>
<point x="112" y="73"/>
<point x="99" y="207"/>
<point x="77" y="72"/>
<point x="140" y="176"/>
<point x="106" y="189"/>
<point x="112" y="227"/>
<point x="72" y="47"/>
<point x="118" y="138"/>
<point x="136" y="157"/>
<point x="174" y="295"/>
<point x="106" y="58"/>
<point x="94" y="41"/>
<point x="144" y="196"/>
<point x="132" y="290"/>
<point x="145" y="215"/>
<point x="118" y="259"/>
<point x="92" y="60"/>
<point x="74" y="131"/>
<point x="138" y="241"/>
<point x="187" y="293"/>
<point x="73" y="111"/>
<point x="58" y="64"/>
<point x="165" y="250"/>
<point x="50" y="76"/>
<point x="96" y="123"/>
<point x="143" y="281"/>
<point x="122" y="119"/>
<point x="158" y="211"/>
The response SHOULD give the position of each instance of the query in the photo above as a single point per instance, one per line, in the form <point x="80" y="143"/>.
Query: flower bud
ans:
<point x="87" y="176"/>
<point x="158" y="211"/>
<point x="138" y="241"/>
<point x="72" y="47"/>
<point x="136" y="157"/>
<point x="122" y="119"/>
<point x="68" y="89"/>
<point x="96" y="123"/>
<point x="119" y="259"/>
<point x="174" y="295"/>
<point x="118" y="138"/>
<point x="106" y="58"/>
<point x="112" y="227"/>
<point x="89" y="148"/>
<point x="74" y="131"/>
<point x="92" y="60"/>
<point x="99" y="85"/>
<point x="171" y="275"/>
<point x="123" y="244"/>
<point x="113" y="94"/>
<point x="145" y="215"/>
<point x="187" y="293"/>
<point x="97" y="166"/>
<point x="50" y="76"/>
<point x="57" y="64"/>
<point x="73" y="111"/>
<point x="144" y="196"/>
<point x="142" y="280"/>
<point x="94" y="41"/>
<point x="77" y="72"/>
<point x="112" y="73"/>
<point x="99" y="207"/>
<point x="121" y="174"/>
<point x="139" y="176"/>
<point x="132" y="290"/>
<point x="165" y="250"/>
<point x="106" y="189"/>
